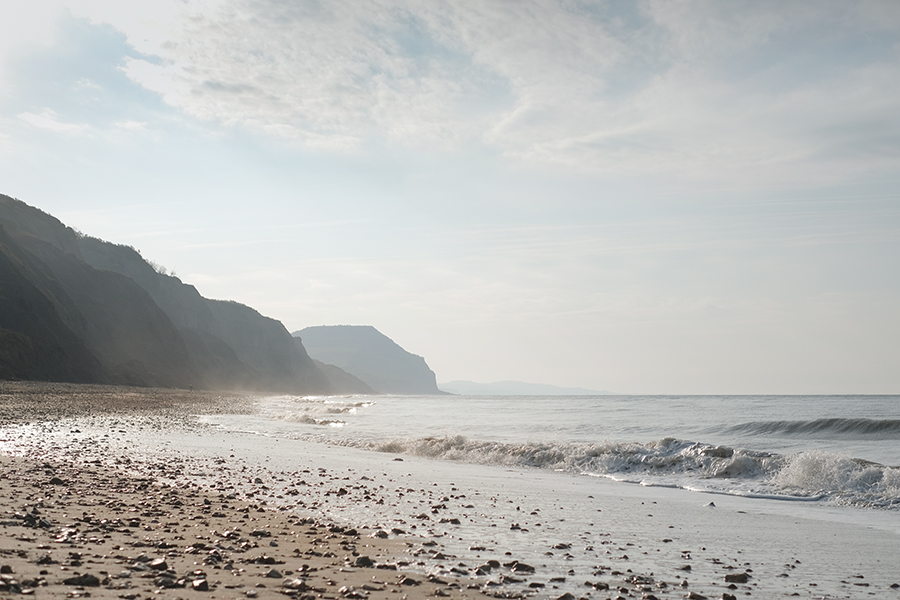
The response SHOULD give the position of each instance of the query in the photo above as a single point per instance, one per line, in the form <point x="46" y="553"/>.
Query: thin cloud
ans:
<point x="697" y="90"/>
<point x="49" y="120"/>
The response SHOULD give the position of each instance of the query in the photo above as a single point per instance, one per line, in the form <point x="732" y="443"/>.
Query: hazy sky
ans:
<point x="647" y="197"/>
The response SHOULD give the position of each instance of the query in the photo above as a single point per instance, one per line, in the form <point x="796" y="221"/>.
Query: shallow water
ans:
<point x="840" y="450"/>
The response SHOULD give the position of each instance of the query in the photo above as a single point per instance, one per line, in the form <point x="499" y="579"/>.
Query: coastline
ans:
<point x="118" y="447"/>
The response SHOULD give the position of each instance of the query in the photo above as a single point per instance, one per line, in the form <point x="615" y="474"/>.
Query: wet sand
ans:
<point x="90" y="508"/>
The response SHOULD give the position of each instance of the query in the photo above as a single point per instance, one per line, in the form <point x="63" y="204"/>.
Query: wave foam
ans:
<point x="681" y="463"/>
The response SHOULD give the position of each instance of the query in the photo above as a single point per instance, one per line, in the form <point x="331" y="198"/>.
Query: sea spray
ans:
<point x="841" y="477"/>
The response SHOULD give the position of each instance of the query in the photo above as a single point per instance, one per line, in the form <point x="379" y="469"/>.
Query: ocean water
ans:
<point x="836" y="451"/>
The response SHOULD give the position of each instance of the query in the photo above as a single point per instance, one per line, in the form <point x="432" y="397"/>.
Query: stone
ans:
<point x="518" y="567"/>
<point x="364" y="562"/>
<point x="295" y="584"/>
<point x="159" y="564"/>
<point x="167" y="582"/>
<point x="200" y="585"/>
<point x="83" y="580"/>
<point x="737" y="578"/>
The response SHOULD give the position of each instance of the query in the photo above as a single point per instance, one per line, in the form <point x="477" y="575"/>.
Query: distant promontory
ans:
<point x="371" y="356"/>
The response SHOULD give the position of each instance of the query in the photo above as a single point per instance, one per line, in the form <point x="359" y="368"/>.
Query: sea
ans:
<point x="831" y="450"/>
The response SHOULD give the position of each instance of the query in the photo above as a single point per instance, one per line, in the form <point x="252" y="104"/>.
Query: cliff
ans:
<point x="366" y="353"/>
<point x="75" y="308"/>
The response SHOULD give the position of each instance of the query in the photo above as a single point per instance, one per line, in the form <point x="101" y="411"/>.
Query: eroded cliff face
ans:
<point x="108" y="316"/>
<point x="366" y="353"/>
<point x="35" y="342"/>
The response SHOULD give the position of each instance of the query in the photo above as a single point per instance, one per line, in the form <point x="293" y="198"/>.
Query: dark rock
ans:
<point x="696" y="596"/>
<point x="273" y="574"/>
<point x="167" y="582"/>
<point x="159" y="564"/>
<point x="566" y="596"/>
<point x="200" y="585"/>
<point x="83" y="580"/>
<point x="6" y="569"/>
<point x="736" y="578"/>
<point x="727" y="596"/>
<point x="364" y="562"/>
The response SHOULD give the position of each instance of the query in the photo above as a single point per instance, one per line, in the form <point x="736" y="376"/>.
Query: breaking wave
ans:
<point x="810" y="475"/>
<point x="845" y="428"/>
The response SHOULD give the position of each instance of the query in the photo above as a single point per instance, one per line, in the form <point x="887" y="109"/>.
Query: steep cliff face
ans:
<point x="371" y="356"/>
<point x="267" y="346"/>
<point x="74" y="308"/>
<point x="233" y="345"/>
<point x="35" y="343"/>
<point x="115" y="318"/>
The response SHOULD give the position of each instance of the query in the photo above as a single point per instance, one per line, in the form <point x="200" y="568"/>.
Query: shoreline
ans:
<point x="436" y="519"/>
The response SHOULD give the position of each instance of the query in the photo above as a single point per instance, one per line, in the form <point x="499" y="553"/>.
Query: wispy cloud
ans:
<point x="755" y="89"/>
<point x="49" y="120"/>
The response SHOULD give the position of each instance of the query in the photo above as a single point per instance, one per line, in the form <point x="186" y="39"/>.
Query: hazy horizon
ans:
<point x="650" y="197"/>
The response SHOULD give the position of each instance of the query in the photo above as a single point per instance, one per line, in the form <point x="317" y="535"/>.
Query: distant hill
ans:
<point x="514" y="388"/>
<point x="75" y="308"/>
<point x="368" y="354"/>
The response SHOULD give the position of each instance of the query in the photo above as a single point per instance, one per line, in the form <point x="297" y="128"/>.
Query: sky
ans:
<point x="692" y="197"/>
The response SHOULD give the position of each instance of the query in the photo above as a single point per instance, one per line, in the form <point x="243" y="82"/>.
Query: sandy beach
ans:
<point x="94" y="529"/>
<point x="117" y="492"/>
